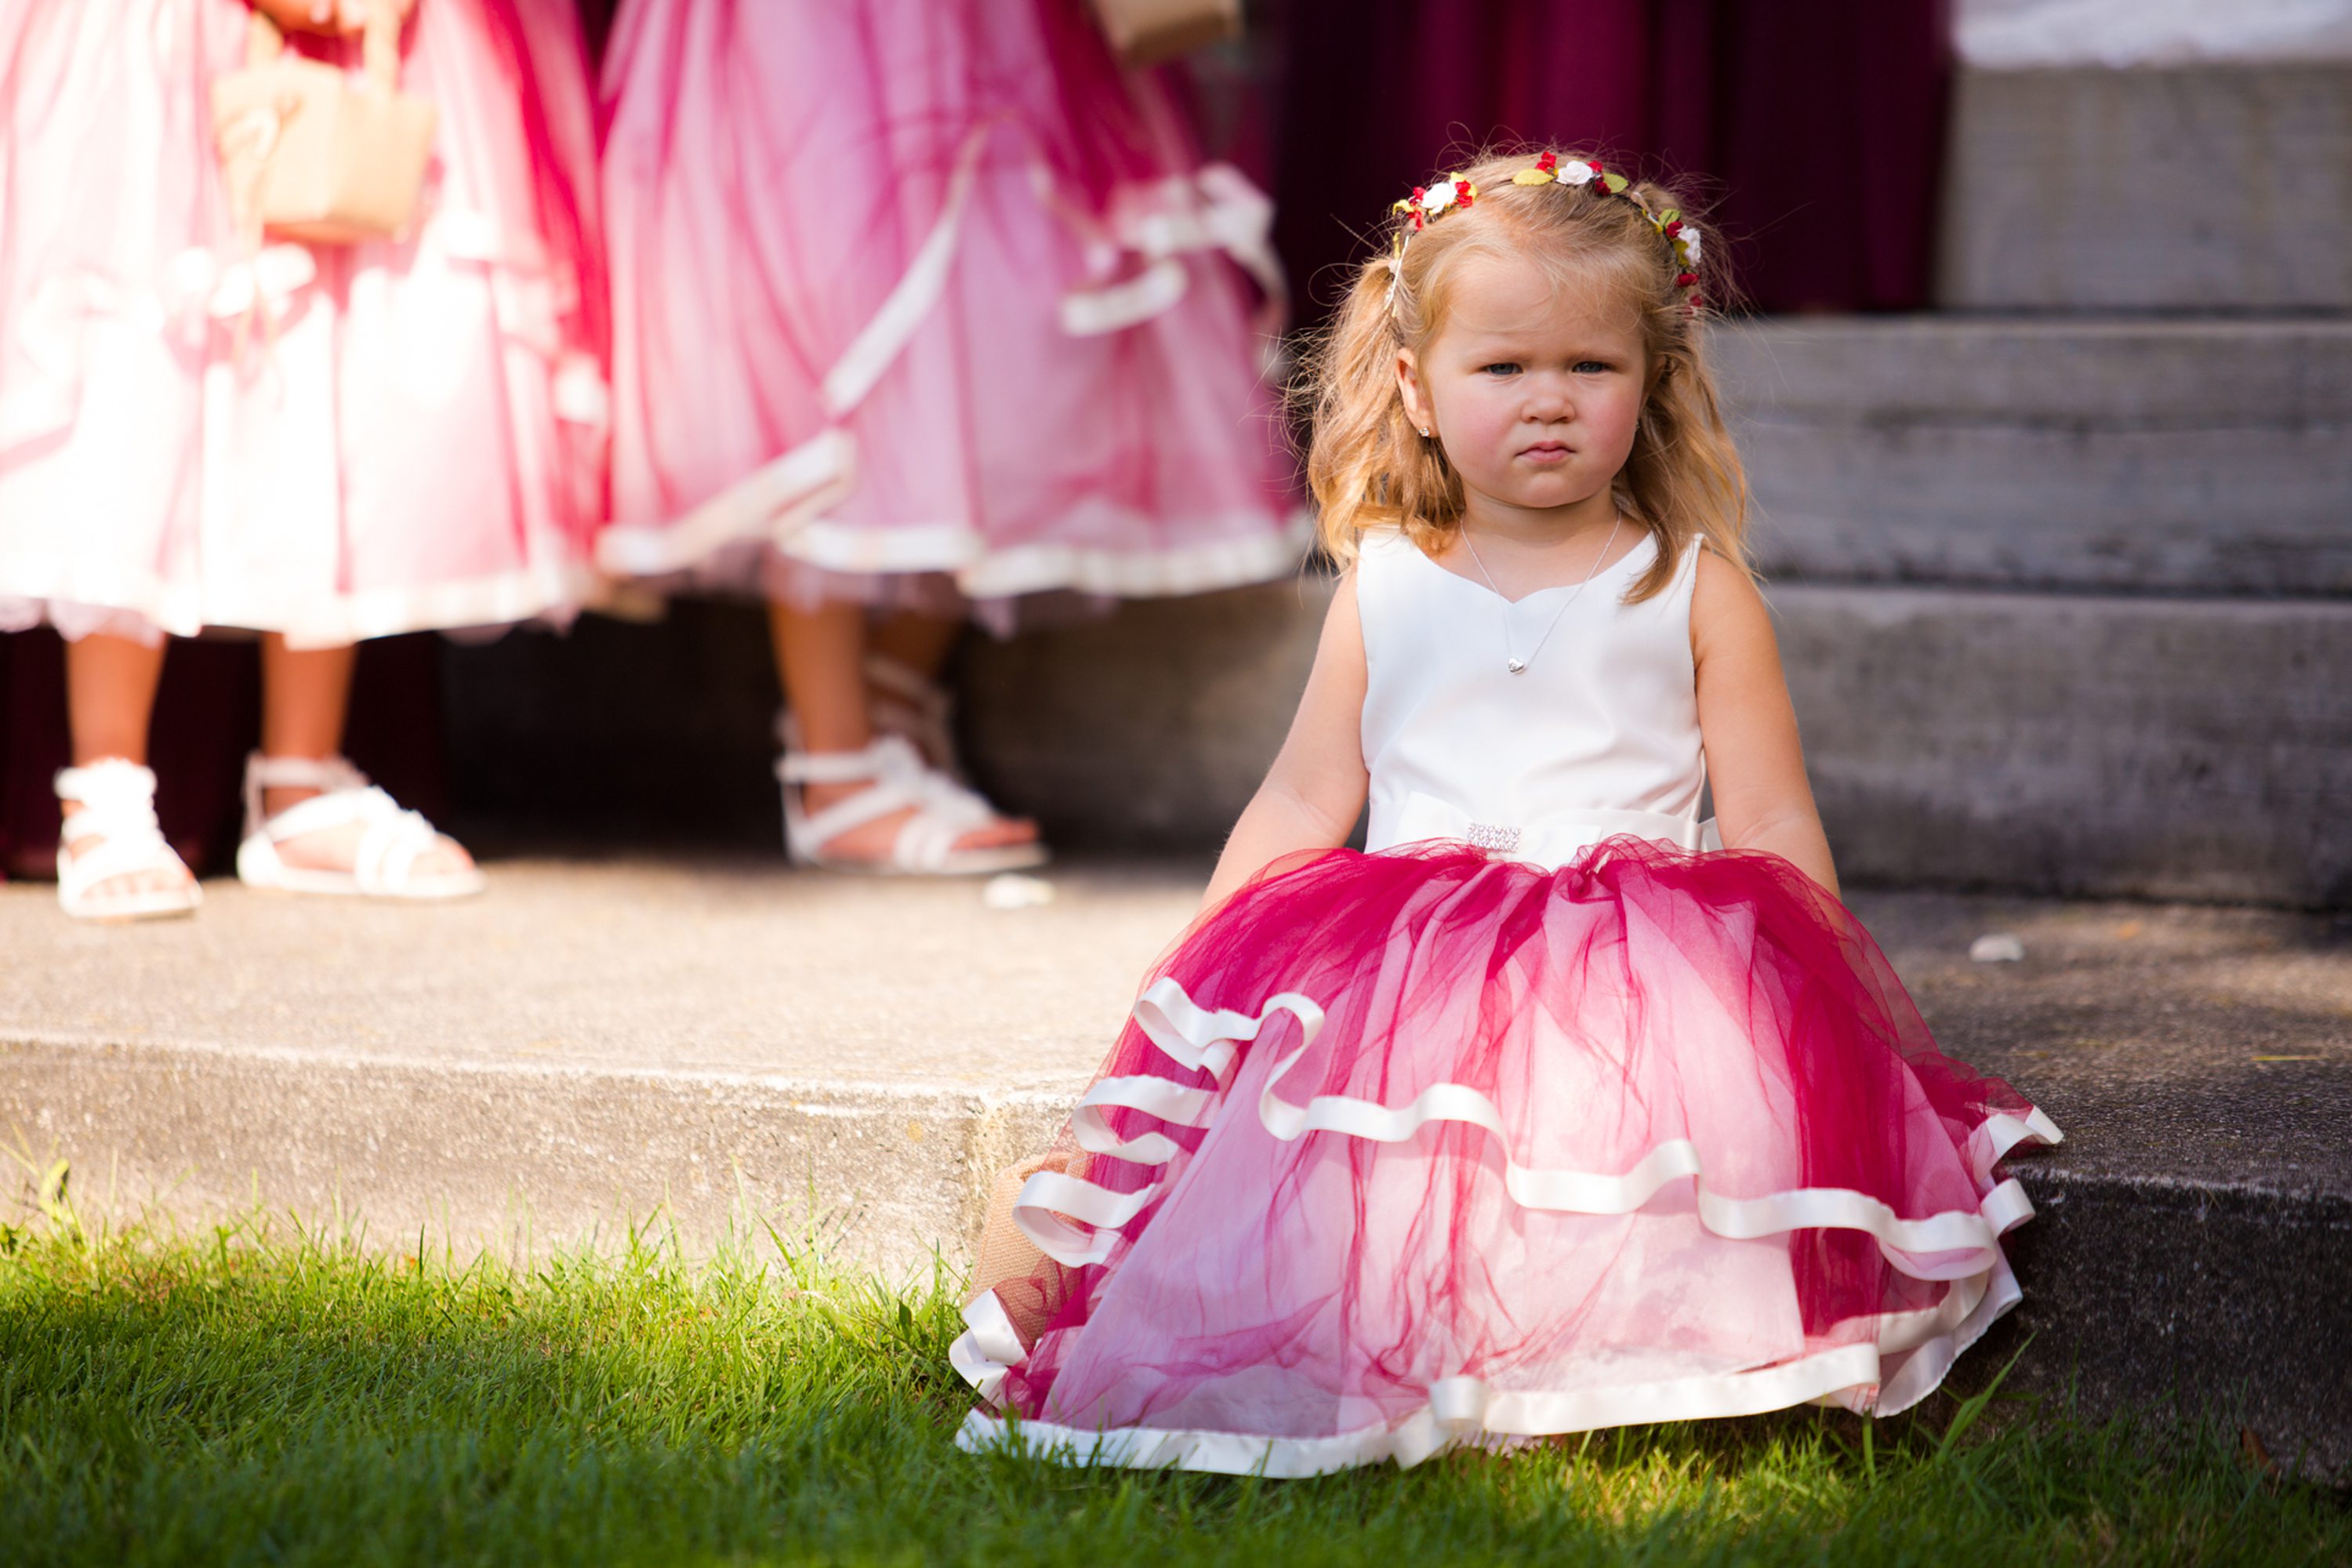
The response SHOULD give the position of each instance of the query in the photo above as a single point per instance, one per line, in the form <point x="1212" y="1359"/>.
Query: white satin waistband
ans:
<point x="1550" y="841"/>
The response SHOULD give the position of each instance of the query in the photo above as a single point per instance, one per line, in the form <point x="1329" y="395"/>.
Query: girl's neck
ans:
<point x="1525" y="550"/>
<point x="1579" y="525"/>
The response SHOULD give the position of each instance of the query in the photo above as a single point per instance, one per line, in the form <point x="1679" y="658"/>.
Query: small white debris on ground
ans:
<point x="1997" y="947"/>
<point x="1012" y="890"/>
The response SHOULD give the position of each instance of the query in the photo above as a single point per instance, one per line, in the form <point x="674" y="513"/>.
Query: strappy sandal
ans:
<point x="391" y="840"/>
<point x="896" y="780"/>
<point x="900" y="701"/>
<point x="118" y="809"/>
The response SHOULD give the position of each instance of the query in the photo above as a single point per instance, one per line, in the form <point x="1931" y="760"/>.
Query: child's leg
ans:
<point x="110" y="698"/>
<point x="305" y="693"/>
<point x="820" y="655"/>
<point x="921" y="643"/>
<point x="904" y="697"/>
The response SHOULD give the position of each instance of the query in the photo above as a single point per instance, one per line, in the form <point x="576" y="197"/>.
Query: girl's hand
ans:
<point x="331" y="16"/>
<point x="1762" y="798"/>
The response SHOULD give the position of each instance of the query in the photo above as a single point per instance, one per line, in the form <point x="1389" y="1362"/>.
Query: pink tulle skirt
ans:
<point x="1417" y="1149"/>
<point x="924" y="295"/>
<point x="335" y="442"/>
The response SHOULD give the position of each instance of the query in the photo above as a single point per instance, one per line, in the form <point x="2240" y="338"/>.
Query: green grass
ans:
<point x="246" y="1397"/>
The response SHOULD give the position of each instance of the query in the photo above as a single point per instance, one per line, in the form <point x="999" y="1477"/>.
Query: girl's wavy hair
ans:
<point x="1369" y="467"/>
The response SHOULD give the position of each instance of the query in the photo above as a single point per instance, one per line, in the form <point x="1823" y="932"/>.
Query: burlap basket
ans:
<point x="309" y="155"/>
<point x="1145" y="32"/>
<point x="1031" y="1285"/>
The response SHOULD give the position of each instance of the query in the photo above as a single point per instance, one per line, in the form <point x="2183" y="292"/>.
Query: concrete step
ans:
<point x="2171" y="457"/>
<point x="727" y="1044"/>
<point x="2061" y="743"/>
<point x="2207" y="188"/>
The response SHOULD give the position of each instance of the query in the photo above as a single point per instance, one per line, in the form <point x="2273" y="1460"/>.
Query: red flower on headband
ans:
<point x="1463" y="192"/>
<point x="1548" y="163"/>
<point x="1674" y="228"/>
<point x="1684" y="281"/>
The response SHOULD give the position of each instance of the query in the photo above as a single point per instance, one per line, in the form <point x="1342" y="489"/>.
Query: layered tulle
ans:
<point x="335" y="442"/>
<point x="1419" y="1148"/>
<point x="914" y="295"/>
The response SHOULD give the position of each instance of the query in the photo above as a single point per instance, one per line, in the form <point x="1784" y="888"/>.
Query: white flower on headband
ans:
<point x="1440" y="197"/>
<point x="1686" y="242"/>
<point x="1577" y="172"/>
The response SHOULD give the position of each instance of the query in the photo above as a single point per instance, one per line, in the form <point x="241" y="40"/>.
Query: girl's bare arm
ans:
<point x="1315" y="791"/>
<point x="1762" y="798"/>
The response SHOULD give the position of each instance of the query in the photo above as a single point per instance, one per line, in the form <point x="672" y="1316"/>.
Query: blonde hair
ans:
<point x="1368" y="465"/>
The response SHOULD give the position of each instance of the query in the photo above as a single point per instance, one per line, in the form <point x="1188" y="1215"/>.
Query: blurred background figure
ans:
<point x="922" y="308"/>
<point x="204" y="426"/>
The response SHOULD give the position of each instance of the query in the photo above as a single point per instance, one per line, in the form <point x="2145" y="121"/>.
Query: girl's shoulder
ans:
<point x="1384" y="579"/>
<point x="1383" y="556"/>
<point x="1384" y="545"/>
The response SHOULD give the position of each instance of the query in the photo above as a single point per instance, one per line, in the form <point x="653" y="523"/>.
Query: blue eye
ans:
<point x="1501" y="367"/>
<point x="1592" y="367"/>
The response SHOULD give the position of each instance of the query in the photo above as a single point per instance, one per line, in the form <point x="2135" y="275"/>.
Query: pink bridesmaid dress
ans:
<point x="1546" y="1114"/>
<point x="336" y="442"/>
<point x="926" y="302"/>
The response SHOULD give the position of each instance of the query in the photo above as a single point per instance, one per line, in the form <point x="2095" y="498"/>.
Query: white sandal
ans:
<point x="118" y="808"/>
<point x="896" y="780"/>
<point x="900" y="701"/>
<point x="391" y="839"/>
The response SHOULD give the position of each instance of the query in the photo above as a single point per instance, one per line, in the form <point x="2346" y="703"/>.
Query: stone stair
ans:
<point x="711" y="1044"/>
<point x="2065" y="608"/>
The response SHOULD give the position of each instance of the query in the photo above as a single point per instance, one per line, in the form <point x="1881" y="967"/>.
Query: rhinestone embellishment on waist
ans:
<point x="1494" y="840"/>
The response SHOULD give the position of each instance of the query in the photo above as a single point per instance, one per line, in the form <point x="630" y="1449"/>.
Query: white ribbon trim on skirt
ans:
<point x="1959" y="1247"/>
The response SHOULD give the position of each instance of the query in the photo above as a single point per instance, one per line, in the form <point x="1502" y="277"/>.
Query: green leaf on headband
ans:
<point x="1616" y="183"/>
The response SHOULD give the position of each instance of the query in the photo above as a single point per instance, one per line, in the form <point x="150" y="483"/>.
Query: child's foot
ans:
<point x="879" y="810"/>
<point x="112" y="861"/>
<point x="338" y="848"/>
<point x="317" y="826"/>
<point x="899" y="700"/>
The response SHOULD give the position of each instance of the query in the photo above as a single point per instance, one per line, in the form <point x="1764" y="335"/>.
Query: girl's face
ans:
<point x="1533" y="389"/>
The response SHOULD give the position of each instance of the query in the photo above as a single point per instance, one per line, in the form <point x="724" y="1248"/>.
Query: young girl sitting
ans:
<point x="1556" y="1109"/>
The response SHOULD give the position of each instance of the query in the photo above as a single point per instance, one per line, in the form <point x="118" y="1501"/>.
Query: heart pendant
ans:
<point x="1516" y="666"/>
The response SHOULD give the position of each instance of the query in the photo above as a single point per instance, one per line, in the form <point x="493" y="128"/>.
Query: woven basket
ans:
<point x="1145" y="32"/>
<point x="1031" y="1285"/>
<point x="309" y="155"/>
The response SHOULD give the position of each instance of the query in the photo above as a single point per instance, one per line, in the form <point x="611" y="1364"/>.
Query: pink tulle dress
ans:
<point x="1545" y="1114"/>
<point x="334" y="442"/>
<point x="924" y="302"/>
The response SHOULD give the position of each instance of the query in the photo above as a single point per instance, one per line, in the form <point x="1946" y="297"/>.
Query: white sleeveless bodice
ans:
<point x="1597" y="736"/>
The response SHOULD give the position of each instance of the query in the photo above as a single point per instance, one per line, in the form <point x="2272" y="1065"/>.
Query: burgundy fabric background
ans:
<point x="1813" y="131"/>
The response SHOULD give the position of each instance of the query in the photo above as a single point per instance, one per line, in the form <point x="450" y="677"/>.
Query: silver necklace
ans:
<point x="1511" y="662"/>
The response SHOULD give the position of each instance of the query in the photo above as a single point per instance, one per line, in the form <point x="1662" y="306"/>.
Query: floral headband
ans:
<point x="1428" y="203"/>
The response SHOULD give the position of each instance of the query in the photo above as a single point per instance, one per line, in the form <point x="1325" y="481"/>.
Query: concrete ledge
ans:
<point x="516" y="1157"/>
<point x="2144" y="748"/>
<point x="720" y="1043"/>
<point x="2203" y="189"/>
<point x="2138" y="1292"/>
<point x="2061" y="744"/>
<point x="2190" y="457"/>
